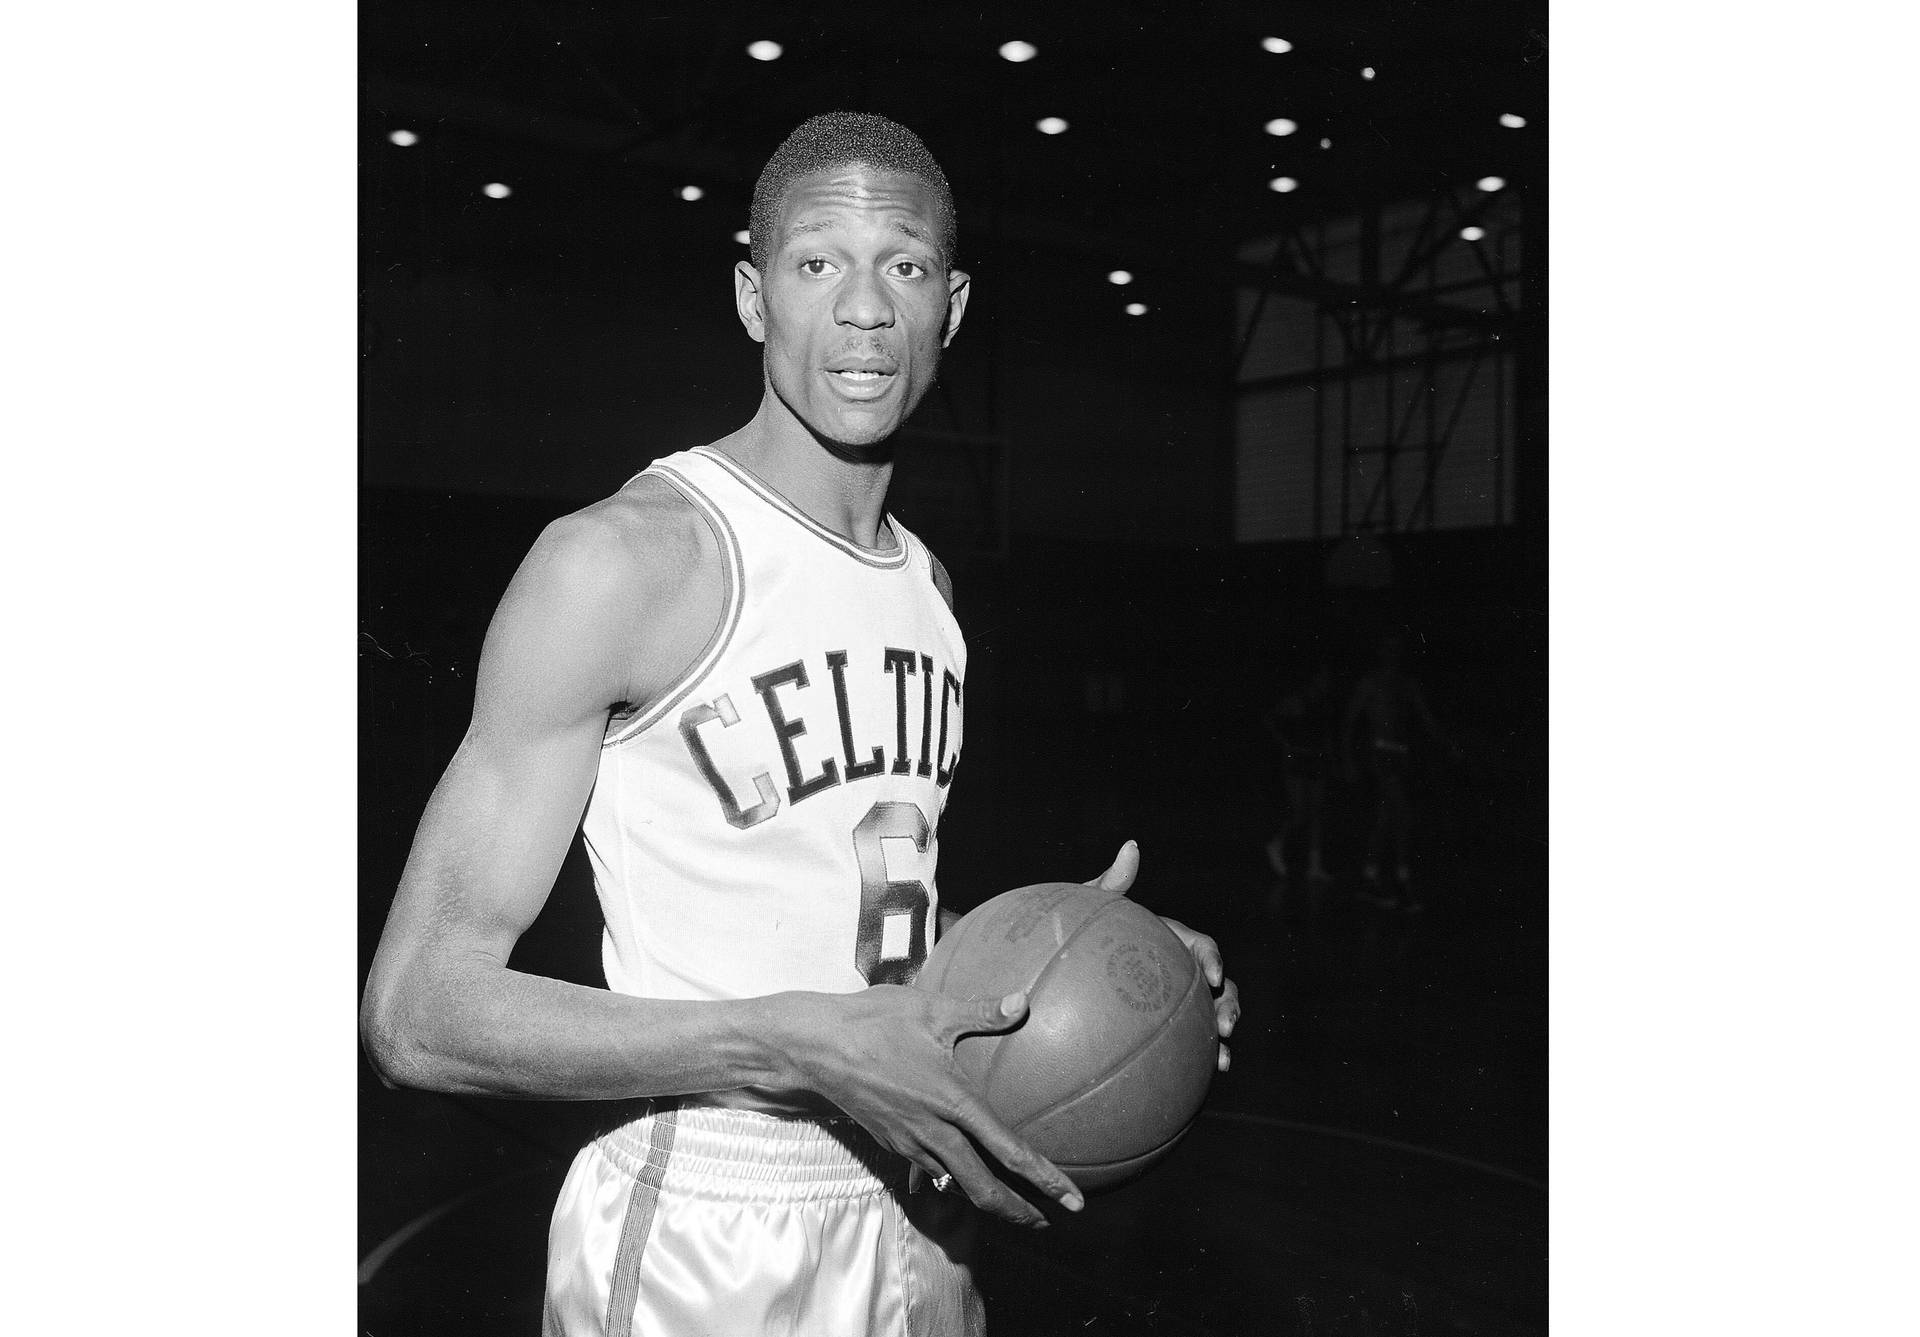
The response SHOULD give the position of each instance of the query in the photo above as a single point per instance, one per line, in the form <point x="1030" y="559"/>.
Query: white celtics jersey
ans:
<point x="769" y="824"/>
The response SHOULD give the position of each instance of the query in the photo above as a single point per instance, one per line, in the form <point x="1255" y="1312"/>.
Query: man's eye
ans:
<point x="815" y="267"/>
<point x="907" y="269"/>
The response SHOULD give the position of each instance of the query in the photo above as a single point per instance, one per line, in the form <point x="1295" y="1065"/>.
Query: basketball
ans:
<point x="1110" y="1066"/>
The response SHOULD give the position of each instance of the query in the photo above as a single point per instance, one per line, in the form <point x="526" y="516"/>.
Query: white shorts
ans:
<point x="703" y="1219"/>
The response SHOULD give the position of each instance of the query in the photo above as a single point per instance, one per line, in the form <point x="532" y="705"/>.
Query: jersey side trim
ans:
<point x="734" y="573"/>
<point x="884" y="561"/>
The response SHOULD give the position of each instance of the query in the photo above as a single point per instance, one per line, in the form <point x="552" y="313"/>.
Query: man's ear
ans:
<point x="746" y="300"/>
<point x="959" y="284"/>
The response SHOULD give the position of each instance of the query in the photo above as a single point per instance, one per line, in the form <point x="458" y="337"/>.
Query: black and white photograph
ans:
<point x="1231" y="670"/>
<point x="952" y="670"/>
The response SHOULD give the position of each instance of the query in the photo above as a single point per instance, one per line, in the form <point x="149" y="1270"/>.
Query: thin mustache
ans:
<point x="872" y="353"/>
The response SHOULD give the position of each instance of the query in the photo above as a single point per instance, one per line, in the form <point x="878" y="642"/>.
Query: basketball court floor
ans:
<point x="1374" y="1163"/>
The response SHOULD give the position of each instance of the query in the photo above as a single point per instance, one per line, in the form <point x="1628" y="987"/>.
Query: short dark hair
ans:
<point x="836" y="139"/>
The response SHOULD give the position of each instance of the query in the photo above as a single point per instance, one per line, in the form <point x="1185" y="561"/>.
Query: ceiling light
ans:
<point x="1490" y="183"/>
<point x="1050" y="125"/>
<point x="1120" y="276"/>
<point x="1280" y="125"/>
<point x="1472" y="233"/>
<point x="1277" y="45"/>
<point x="764" y="50"/>
<point x="1019" y="51"/>
<point x="404" y="137"/>
<point x="691" y="192"/>
<point x="1283" y="184"/>
<point x="1367" y="73"/>
<point x="1326" y="143"/>
<point x="744" y="237"/>
<point x="1136" y="308"/>
<point x="1511" y="121"/>
<point x="493" y="190"/>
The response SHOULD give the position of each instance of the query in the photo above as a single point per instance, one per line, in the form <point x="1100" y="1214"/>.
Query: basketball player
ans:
<point x="747" y="675"/>
<point x="1391" y="705"/>
<point x="1301" y="724"/>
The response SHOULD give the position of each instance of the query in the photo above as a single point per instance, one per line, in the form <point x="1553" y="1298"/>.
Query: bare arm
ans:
<point x="442" y="1010"/>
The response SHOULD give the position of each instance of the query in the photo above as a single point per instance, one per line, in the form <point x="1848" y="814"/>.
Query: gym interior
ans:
<point x="1253" y="378"/>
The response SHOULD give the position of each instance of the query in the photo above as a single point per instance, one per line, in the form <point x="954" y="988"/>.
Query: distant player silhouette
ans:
<point x="1302" y="723"/>
<point x="1389" y="708"/>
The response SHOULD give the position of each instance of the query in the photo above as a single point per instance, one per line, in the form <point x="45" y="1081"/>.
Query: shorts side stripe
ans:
<point x="624" y="1293"/>
<point x="896" y="1237"/>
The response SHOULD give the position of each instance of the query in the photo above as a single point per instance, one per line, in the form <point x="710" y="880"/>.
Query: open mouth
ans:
<point x="860" y="383"/>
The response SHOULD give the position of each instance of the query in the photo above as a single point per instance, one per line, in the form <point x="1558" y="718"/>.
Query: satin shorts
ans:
<point x="703" y="1219"/>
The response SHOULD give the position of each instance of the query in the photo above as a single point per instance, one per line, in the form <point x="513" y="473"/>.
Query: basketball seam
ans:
<point x="986" y="1078"/>
<point x="1149" y="1155"/>
<point x="963" y="929"/>
<point x="1114" y="1069"/>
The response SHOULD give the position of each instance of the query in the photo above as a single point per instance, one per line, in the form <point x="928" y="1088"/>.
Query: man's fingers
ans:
<point x="987" y="1016"/>
<point x="987" y="1189"/>
<point x="1205" y="950"/>
<point x="969" y="1118"/>
<point x="967" y="1171"/>
<point x="1226" y="1010"/>
<point x="990" y="1194"/>
<point x="1226" y="1015"/>
<point x="1125" y="867"/>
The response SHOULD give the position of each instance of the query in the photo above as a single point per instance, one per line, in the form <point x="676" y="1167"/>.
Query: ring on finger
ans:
<point x="941" y="1182"/>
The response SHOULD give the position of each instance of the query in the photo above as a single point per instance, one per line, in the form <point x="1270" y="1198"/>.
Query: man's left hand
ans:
<point x="1206" y="952"/>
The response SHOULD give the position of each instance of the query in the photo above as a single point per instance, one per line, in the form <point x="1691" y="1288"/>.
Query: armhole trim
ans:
<point x="733" y="574"/>
<point x="942" y="579"/>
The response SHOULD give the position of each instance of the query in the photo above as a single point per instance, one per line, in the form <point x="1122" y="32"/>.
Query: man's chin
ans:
<point x="859" y="443"/>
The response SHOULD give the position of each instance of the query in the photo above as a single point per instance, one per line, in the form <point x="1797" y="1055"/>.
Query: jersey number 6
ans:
<point x="903" y="904"/>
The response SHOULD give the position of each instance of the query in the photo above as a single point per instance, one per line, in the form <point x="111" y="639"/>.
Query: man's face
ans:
<point x="856" y="303"/>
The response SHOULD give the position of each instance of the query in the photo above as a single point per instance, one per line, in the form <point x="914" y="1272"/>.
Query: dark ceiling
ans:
<point x="584" y="107"/>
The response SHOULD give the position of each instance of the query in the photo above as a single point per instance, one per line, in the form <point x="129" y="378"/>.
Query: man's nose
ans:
<point x="864" y="302"/>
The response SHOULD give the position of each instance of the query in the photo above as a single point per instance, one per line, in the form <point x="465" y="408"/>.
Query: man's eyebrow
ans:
<point x="802" y="229"/>
<point x="909" y="230"/>
<point x="919" y="234"/>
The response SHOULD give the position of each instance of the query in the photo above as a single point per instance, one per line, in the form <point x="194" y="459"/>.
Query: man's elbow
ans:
<point x="392" y="1043"/>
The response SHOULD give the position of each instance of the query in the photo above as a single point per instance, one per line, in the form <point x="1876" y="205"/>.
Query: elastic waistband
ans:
<point x="712" y="1151"/>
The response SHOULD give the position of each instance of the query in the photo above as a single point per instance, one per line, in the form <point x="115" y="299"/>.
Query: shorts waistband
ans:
<point x="715" y="1151"/>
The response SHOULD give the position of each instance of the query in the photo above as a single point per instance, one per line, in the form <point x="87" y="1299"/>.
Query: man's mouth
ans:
<point x="862" y="377"/>
<point x="862" y="366"/>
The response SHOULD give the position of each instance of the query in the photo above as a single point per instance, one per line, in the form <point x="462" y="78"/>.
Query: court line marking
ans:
<point x="1268" y="1121"/>
<point x="385" y="1250"/>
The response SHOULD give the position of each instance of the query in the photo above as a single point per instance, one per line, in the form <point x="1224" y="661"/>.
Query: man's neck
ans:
<point x="843" y="490"/>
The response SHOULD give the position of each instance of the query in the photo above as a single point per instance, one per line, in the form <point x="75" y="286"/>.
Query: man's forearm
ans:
<point x="498" y="1032"/>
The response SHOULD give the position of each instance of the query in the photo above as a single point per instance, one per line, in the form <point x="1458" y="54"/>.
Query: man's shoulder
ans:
<point x="632" y="581"/>
<point x="645" y="532"/>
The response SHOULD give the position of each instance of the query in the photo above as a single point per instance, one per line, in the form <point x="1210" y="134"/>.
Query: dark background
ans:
<point x="1376" y="1160"/>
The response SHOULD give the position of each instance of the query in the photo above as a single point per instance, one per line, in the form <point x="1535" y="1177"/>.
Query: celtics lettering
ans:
<point x="792" y="701"/>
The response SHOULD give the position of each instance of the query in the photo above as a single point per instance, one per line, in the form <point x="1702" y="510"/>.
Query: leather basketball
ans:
<point x="1113" y="1061"/>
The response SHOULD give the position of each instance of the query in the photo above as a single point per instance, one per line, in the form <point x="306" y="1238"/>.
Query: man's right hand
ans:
<point x="885" y="1056"/>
